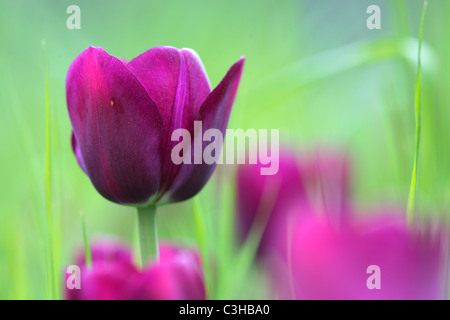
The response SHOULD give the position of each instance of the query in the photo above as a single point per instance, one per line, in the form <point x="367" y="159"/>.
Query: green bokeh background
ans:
<point x="313" y="70"/>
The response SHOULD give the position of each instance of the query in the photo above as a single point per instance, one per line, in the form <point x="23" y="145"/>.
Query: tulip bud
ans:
<point x="123" y="115"/>
<point x="113" y="276"/>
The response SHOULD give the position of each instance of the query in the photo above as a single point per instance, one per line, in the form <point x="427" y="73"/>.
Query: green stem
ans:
<point x="148" y="235"/>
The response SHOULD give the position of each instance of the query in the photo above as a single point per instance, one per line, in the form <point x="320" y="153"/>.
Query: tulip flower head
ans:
<point x="123" y="115"/>
<point x="371" y="258"/>
<point x="113" y="276"/>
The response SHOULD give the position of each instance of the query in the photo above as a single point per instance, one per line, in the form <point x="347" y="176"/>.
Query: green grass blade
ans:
<point x="87" y="247"/>
<point x="412" y="199"/>
<point x="289" y="81"/>
<point x="52" y="272"/>
<point x="200" y="231"/>
<point x="244" y="258"/>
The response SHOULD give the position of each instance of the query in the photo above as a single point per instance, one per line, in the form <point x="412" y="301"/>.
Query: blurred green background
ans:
<point x="313" y="70"/>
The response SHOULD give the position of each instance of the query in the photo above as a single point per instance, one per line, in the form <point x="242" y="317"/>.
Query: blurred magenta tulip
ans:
<point x="316" y="181"/>
<point x="123" y="115"/>
<point x="113" y="276"/>
<point x="328" y="180"/>
<point x="329" y="262"/>
<point x="279" y="190"/>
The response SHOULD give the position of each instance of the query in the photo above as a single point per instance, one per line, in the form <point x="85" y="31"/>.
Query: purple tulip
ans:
<point x="329" y="262"/>
<point x="319" y="180"/>
<point x="113" y="276"/>
<point x="281" y="189"/>
<point x="123" y="115"/>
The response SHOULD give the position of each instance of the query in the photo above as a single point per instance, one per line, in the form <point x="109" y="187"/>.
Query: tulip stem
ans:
<point x="148" y="235"/>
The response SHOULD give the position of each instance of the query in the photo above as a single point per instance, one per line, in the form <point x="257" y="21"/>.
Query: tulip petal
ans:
<point x="177" y="81"/>
<point x="178" y="275"/>
<point x="106" y="250"/>
<point x="288" y="187"/>
<point x="158" y="69"/>
<point x="199" y="86"/>
<point x="214" y="113"/>
<point x="111" y="275"/>
<point x="117" y="127"/>
<point x="106" y="281"/>
<point x="327" y="263"/>
<point x="77" y="152"/>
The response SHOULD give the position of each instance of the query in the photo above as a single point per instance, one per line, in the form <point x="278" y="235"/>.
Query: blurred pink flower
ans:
<point x="324" y="261"/>
<point x="113" y="276"/>
<point x="315" y="245"/>
<point x="321" y="179"/>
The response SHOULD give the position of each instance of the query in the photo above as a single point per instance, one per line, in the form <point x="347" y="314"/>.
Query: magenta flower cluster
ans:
<point x="315" y="246"/>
